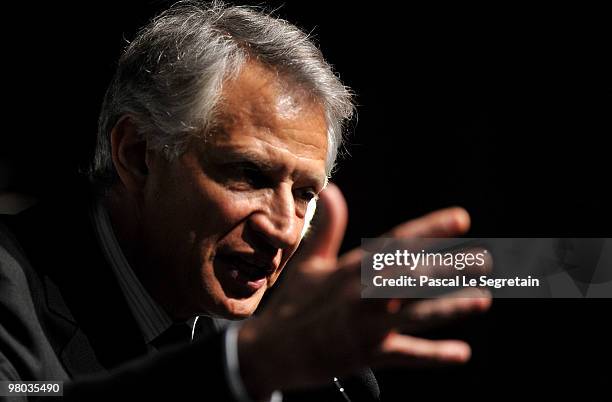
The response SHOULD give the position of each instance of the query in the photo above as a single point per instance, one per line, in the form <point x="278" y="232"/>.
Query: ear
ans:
<point x="129" y="153"/>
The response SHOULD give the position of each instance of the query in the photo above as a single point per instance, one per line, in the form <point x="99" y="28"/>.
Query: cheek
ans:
<point x="221" y="210"/>
<point x="207" y="206"/>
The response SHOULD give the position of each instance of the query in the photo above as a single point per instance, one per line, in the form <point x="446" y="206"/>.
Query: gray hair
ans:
<point x="169" y="79"/>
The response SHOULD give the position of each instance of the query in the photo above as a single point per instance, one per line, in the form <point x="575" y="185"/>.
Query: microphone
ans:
<point x="360" y="387"/>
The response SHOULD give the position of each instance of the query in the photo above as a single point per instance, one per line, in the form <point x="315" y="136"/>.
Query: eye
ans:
<point x="306" y="194"/>
<point x="250" y="174"/>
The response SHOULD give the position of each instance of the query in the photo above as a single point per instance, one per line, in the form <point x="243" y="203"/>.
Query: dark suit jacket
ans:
<point x="63" y="317"/>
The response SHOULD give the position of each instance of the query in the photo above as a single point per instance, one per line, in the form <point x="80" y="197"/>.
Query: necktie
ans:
<point x="180" y="333"/>
<point x="204" y="327"/>
<point x="177" y="334"/>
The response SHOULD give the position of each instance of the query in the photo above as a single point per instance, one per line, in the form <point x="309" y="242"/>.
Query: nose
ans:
<point x="276" y="222"/>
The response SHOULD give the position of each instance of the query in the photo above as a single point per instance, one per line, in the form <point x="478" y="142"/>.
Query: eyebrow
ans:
<point x="234" y="155"/>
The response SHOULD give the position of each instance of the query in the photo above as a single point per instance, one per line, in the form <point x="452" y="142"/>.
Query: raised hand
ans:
<point x="317" y="326"/>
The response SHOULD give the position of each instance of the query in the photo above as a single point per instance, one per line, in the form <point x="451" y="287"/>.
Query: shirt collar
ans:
<point x="150" y="317"/>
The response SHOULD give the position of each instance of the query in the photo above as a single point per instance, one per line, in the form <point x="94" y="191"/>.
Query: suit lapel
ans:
<point x="88" y="320"/>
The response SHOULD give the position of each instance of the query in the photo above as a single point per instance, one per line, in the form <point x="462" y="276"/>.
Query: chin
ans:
<point x="240" y="309"/>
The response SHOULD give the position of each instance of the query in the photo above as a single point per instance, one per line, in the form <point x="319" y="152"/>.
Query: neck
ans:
<point x="126" y="217"/>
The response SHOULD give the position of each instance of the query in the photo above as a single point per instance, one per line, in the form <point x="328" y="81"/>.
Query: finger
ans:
<point x="328" y="227"/>
<point x="442" y="223"/>
<point x="423" y="315"/>
<point x="410" y="351"/>
<point x="447" y="222"/>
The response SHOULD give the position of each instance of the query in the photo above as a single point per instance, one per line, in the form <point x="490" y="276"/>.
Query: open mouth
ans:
<point x="248" y="274"/>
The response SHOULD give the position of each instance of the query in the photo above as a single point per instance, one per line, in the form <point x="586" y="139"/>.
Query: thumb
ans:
<point x="328" y="227"/>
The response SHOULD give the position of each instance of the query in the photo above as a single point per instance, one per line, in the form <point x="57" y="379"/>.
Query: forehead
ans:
<point x="259" y="108"/>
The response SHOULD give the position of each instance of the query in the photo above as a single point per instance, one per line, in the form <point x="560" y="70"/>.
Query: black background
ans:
<point x="505" y="110"/>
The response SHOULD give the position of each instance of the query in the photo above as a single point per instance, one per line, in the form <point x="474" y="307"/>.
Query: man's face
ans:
<point x="221" y="221"/>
